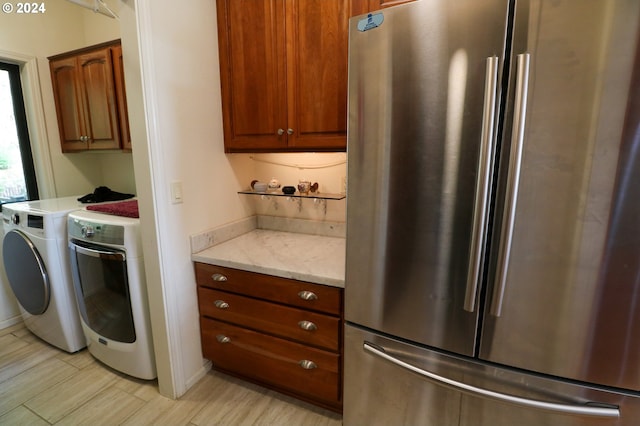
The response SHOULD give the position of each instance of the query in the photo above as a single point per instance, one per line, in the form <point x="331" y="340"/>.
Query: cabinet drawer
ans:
<point x="271" y="360"/>
<point x="283" y="290"/>
<point x="304" y="326"/>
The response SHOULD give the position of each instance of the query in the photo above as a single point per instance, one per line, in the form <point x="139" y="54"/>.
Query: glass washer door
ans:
<point x="26" y="272"/>
<point x="102" y="290"/>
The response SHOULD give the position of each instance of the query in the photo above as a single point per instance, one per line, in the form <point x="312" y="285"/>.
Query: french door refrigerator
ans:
<point x="493" y="218"/>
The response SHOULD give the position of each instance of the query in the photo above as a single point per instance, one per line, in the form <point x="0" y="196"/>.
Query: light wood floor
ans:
<point x="41" y="385"/>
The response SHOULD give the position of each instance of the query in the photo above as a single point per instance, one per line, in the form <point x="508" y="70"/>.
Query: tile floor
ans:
<point x="41" y="385"/>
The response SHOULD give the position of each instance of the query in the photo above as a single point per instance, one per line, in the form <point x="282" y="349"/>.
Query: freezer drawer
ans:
<point x="379" y="393"/>
<point x="386" y="383"/>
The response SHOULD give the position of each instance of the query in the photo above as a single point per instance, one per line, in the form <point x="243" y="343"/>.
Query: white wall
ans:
<point x="180" y="82"/>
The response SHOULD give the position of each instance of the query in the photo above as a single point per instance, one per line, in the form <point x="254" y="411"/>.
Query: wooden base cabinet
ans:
<point x="281" y="333"/>
<point x="272" y="361"/>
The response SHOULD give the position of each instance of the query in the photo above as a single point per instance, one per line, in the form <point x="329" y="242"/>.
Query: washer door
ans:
<point x="26" y="272"/>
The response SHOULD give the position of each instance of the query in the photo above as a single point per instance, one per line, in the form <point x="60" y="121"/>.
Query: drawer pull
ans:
<point x="219" y="277"/>
<point x="307" y="365"/>
<point x="307" y="325"/>
<point x="307" y="295"/>
<point x="221" y="338"/>
<point x="221" y="304"/>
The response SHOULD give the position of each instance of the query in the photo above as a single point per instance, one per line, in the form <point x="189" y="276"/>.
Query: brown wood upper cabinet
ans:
<point x="283" y="71"/>
<point x="88" y="89"/>
<point x="121" y="96"/>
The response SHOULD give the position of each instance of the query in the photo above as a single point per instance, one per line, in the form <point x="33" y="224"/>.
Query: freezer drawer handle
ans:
<point x="513" y="181"/>
<point x="221" y="304"/>
<point x="307" y="295"/>
<point x="483" y="182"/>
<point x="581" y="410"/>
<point x="219" y="277"/>
<point x="307" y="325"/>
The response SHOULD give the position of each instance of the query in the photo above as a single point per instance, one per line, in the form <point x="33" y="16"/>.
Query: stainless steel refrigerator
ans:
<point x="493" y="216"/>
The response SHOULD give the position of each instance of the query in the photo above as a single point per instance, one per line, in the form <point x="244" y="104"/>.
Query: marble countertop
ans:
<point x="313" y="258"/>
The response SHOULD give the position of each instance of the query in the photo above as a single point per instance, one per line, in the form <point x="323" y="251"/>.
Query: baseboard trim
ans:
<point x="10" y="321"/>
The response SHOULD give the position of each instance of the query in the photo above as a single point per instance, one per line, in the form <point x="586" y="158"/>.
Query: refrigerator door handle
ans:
<point x="513" y="180"/>
<point x="595" y="410"/>
<point x="482" y="183"/>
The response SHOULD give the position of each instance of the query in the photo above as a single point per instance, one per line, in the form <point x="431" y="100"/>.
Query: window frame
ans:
<point x="22" y="128"/>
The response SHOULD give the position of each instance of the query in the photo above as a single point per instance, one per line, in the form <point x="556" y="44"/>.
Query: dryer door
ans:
<point x="26" y="272"/>
<point x="102" y="290"/>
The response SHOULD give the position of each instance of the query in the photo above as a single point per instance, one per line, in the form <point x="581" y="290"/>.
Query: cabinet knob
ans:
<point x="221" y="304"/>
<point x="221" y="338"/>
<point x="280" y="132"/>
<point x="307" y="325"/>
<point x="307" y="295"/>
<point x="307" y="364"/>
<point x="219" y="277"/>
<point x="289" y="131"/>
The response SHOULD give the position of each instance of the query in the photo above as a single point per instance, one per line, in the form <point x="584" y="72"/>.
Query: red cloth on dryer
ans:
<point x="122" y="208"/>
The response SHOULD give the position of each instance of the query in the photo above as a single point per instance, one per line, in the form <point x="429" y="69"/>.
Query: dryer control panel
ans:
<point x="95" y="232"/>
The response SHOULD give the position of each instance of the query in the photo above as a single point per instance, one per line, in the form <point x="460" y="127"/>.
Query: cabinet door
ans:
<point x="300" y="294"/>
<point x="99" y="99"/>
<point x="68" y="99"/>
<point x="272" y="318"/>
<point x="317" y="36"/>
<point x="121" y="96"/>
<point x="274" y="362"/>
<point x="252" y="74"/>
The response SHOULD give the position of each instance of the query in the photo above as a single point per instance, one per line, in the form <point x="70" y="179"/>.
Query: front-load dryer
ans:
<point x="36" y="260"/>
<point x="107" y="268"/>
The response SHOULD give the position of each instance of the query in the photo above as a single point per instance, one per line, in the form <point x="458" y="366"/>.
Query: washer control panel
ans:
<point x="33" y="223"/>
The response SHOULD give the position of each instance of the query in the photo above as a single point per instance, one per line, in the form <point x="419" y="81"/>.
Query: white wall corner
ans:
<point x="148" y="164"/>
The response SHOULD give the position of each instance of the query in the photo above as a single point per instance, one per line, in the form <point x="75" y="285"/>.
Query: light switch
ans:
<point x="176" y="192"/>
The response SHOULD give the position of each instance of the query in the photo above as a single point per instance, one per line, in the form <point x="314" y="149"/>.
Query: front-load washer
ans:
<point x="36" y="260"/>
<point x="107" y="269"/>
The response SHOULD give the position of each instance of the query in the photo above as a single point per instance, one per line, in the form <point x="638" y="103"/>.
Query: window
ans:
<point x="17" y="173"/>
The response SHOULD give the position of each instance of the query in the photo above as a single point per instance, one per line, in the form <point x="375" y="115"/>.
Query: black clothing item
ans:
<point x="102" y="193"/>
